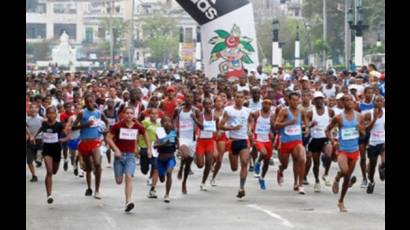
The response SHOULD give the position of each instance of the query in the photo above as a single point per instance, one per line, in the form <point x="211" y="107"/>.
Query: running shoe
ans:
<point x="129" y="206"/>
<point x="370" y="187"/>
<point x="257" y="169"/>
<point x="305" y="181"/>
<point x="202" y="187"/>
<point x="50" y="199"/>
<point x="326" y="179"/>
<point x="301" y="190"/>
<point x="109" y="165"/>
<point x="352" y="181"/>
<point x="152" y="194"/>
<point x="88" y="192"/>
<point x="81" y="174"/>
<point x="97" y="195"/>
<point x="34" y="179"/>
<point x="335" y="187"/>
<point x="38" y="164"/>
<point x="241" y="193"/>
<point x="166" y="199"/>
<point x="213" y="183"/>
<point x="75" y="172"/>
<point x="250" y="168"/>
<point x="382" y="173"/>
<point x="280" y="178"/>
<point x="65" y="167"/>
<point x="364" y="184"/>
<point x="316" y="187"/>
<point x="262" y="184"/>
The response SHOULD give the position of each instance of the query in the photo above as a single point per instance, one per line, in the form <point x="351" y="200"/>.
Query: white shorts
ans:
<point x="191" y="144"/>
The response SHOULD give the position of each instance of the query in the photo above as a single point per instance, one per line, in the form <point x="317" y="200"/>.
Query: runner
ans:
<point x="254" y="105"/>
<point x="205" y="148"/>
<point x="186" y="118"/>
<point x="289" y="123"/>
<point x="34" y="143"/>
<point x="89" y="147"/>
<point x="222" y="141"/>
<point x="240" y="123"/>
<point x="350" y="124"/>
<point x="68" y="111"/>
<point x="112" y="118"/>
<point x="125" y="134"/>
<point x="151" y="123"/>
<point x="319" y="117"/>
<point x="74" y="140"/>
<point x="376" y="126"/>
<point x="307" y="107"/>
<point x="166" y="145"/>
<point x="52" y="138"/>
<point x="264" y="121"/>
<point x="365" y="106"/>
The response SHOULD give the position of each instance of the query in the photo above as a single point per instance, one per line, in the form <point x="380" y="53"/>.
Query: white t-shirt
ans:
<point x="238" y="117"/>
<point x="242" y="88"/>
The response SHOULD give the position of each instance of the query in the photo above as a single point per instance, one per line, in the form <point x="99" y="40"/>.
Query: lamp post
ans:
<point x="276" y="59"/>
<point x="379" y="41"/>
<point x="198" y="51"/>
<point x="307" y="35"/>
<point x="297" y="48"/>
<point x="181" y="40"/>
<point x="358" y="27"/>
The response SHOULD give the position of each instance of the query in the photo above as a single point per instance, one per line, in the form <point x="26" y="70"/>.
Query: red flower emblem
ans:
<point x="232" y="41"/>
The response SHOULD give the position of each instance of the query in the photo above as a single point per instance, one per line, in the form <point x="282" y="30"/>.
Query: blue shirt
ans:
<point x="349" y="134"/>
<point x="90" y="132"/>
<point x="291" y="132"/>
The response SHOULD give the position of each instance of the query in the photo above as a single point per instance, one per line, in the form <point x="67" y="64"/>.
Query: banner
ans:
<point x="188" y="51"/>
<point x="228" y="35"/>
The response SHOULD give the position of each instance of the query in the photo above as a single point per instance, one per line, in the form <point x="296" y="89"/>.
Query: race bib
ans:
<point x="262" y="128"/>
<point x="319" y="130"/>
<point x="50" y="138"/>
<point x="350" y="133"/>
<point x="128" y="134"/>
<point x="377" y="136"/>
<point x="95" y="124"/>
<point x="185" y="125"/>
<point x="293" y="130"/>
<point x="160" y="131"/>
<point x="111" y="121"/>
<point x="210" y="126"/>
<point x="263" y="137"/>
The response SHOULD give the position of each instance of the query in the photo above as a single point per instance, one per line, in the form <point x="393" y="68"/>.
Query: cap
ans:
<point x="267" y="100"/>
<point x="171" y="88"/>
<point x="318" y="94"/>
<point x="93" y="80"/>
<point x="124" y="92"/>
<point x="339" y="96"/>
<point x="125" y="78"/>
<point x="305" y="78"/>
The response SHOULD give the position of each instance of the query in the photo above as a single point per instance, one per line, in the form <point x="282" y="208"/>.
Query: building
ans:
<point x="267" y="9"/>
<point x="48" y="19"/>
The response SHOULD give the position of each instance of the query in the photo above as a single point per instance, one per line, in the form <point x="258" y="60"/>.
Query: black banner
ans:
<point x="204" y="11"/>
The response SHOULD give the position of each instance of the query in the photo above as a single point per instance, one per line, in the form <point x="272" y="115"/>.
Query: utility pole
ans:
<point x="131" y="41"/>
<point x="111" y="33"/>
<point x="324" y="32"/>
<point x="348" y="35"/>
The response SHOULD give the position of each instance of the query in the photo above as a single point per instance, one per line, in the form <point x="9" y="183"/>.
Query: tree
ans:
<point x="160" y="35"/>
<point x="40" y="51"/>
<point x="120" y="31"/>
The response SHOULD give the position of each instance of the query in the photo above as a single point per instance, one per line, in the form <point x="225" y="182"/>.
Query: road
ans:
<point x="275" y="208"/>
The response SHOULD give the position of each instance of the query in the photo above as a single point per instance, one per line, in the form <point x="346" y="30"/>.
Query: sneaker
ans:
<point x="152" y="194"/>
<point x="34" y="179"/>
<point x="166" y="199"/>
<point x="257" y="169"/>
<point x="335" y="187"/>
<point x="251" y="168"/>
<point x="38" y="164"/>
<point x="75" y="172"/>
<point x="364" y="184"/>
<point x="202" y="187"/>
<point x="316" y="187"/>
<point x="352" y="181"/>
<point x="325" y="178"/>
<point x="65" y="167"/>
<point x="370" y="187"/>
<point x="148" y="182"/>
<point x="109" y="165"/>
<point x="301" y="190"/>
<point x="88" y="192"/>
<point x="50" y="199"/>
<point x="382" y="173"/>
<point x="241" y="193"/>
<point x="280" y="178"/>
<point x="262" y="184"/>
<point x="271" y="162"/>
<point x="129" y="206"/>
<point x="213" y="183"/>
<point x="305" y="181"/>
<point x="81" y="174"/>
<point x="97" y="195"/>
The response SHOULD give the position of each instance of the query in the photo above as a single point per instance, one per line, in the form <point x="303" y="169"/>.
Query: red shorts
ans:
<point x="265" y="145"/>
<point x="351" y="156"/>
<point x="205" y="146"/>
<point x="289" y="146"/>
<point x="223" y="138"/>
<point x="86" y="147"/>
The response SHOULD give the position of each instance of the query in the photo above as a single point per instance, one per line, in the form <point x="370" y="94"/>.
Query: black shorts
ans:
<point x="364" y="139"/>
<point x="238" y="145"/>
<point x="316" y="144"/>
<point x="374" y="151"/>
<point x="305" y="139"/>
<point x="145" y="161"/>
<point x="53" y="151"/>
<point x="32" y="149"/>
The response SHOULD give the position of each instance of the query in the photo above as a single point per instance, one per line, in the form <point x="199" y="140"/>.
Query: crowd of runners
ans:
<point x="154" y="118"/>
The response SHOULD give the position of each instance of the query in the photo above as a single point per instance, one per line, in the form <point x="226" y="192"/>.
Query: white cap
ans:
<point x="339" y="96"/>
<point x="287" y="77"/>
<point x="125" y="78"/>
<point x="318" y="94"/>
<point x="305" y="78"/>
<point x="275" y="70"/>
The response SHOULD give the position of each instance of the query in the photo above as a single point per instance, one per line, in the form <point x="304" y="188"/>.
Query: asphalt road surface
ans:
<point x="218" y="208"/>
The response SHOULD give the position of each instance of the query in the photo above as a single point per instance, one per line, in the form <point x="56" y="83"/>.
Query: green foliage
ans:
<point x="40" y="51"/>
<point x="121" y="30"/>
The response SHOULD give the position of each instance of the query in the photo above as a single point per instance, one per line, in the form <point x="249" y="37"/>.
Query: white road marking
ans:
<point x="274" y="215"/>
